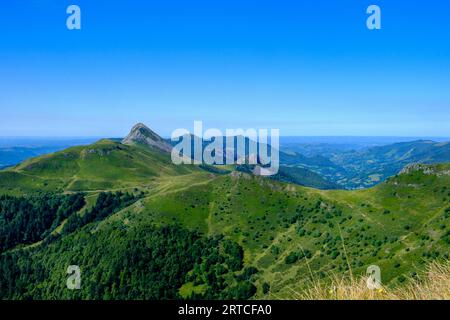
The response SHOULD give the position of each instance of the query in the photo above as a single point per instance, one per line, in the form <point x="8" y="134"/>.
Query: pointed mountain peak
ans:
<point x="141" y="134"/>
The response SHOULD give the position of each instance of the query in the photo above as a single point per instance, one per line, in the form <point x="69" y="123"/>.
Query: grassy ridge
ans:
<point x="292" y="235"/>
<point x="104" y="165"/>
<point x="399" y="225"/>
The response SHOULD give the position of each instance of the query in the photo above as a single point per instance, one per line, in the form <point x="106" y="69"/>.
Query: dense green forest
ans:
<point x="187" y="232"/>
<point x="151" y="263"/>
<point x="25" y="220"/>
<point x="140" y="263"/>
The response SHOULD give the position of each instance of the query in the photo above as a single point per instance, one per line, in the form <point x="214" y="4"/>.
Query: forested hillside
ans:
<point x="141" y="228"/>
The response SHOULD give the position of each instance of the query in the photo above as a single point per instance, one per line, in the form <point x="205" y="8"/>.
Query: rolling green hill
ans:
<point x="104" y="165"/>
<point x="190" y="232"/>
<point x="398" y="225"/>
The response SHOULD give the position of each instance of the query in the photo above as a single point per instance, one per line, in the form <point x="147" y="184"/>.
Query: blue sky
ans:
<point x="306" y="67"/>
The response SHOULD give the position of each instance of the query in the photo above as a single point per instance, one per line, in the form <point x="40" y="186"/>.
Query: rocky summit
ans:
<point x="141" y="134"/>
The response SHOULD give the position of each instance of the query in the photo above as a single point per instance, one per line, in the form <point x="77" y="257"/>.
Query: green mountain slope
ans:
<point x="288" y="171"/>
<point x="397" y="225"/>
<point x="104" y="165"/>
<point x="260" y="237"/>
<point x="295" y="175"/>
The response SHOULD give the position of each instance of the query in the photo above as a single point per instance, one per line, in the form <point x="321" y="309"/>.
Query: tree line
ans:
<point x="28" y="219"/>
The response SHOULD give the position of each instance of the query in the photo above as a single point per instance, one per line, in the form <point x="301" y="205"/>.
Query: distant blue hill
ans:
<point x="335" y="162"/>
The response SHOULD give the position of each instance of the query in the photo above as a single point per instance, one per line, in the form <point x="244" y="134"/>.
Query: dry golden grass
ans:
<point x="434" y="284"/>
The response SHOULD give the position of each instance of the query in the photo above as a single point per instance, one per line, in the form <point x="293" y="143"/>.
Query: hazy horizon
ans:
<point x="14" y="141"/>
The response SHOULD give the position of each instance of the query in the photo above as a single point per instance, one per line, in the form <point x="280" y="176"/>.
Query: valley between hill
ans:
<point x="161" y="231"/>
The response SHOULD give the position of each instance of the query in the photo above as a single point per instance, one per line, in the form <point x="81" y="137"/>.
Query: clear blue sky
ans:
<point x="305" y="67"/>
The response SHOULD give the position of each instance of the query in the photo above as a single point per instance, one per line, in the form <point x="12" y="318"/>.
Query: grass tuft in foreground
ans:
<point x="433" y="284"/>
